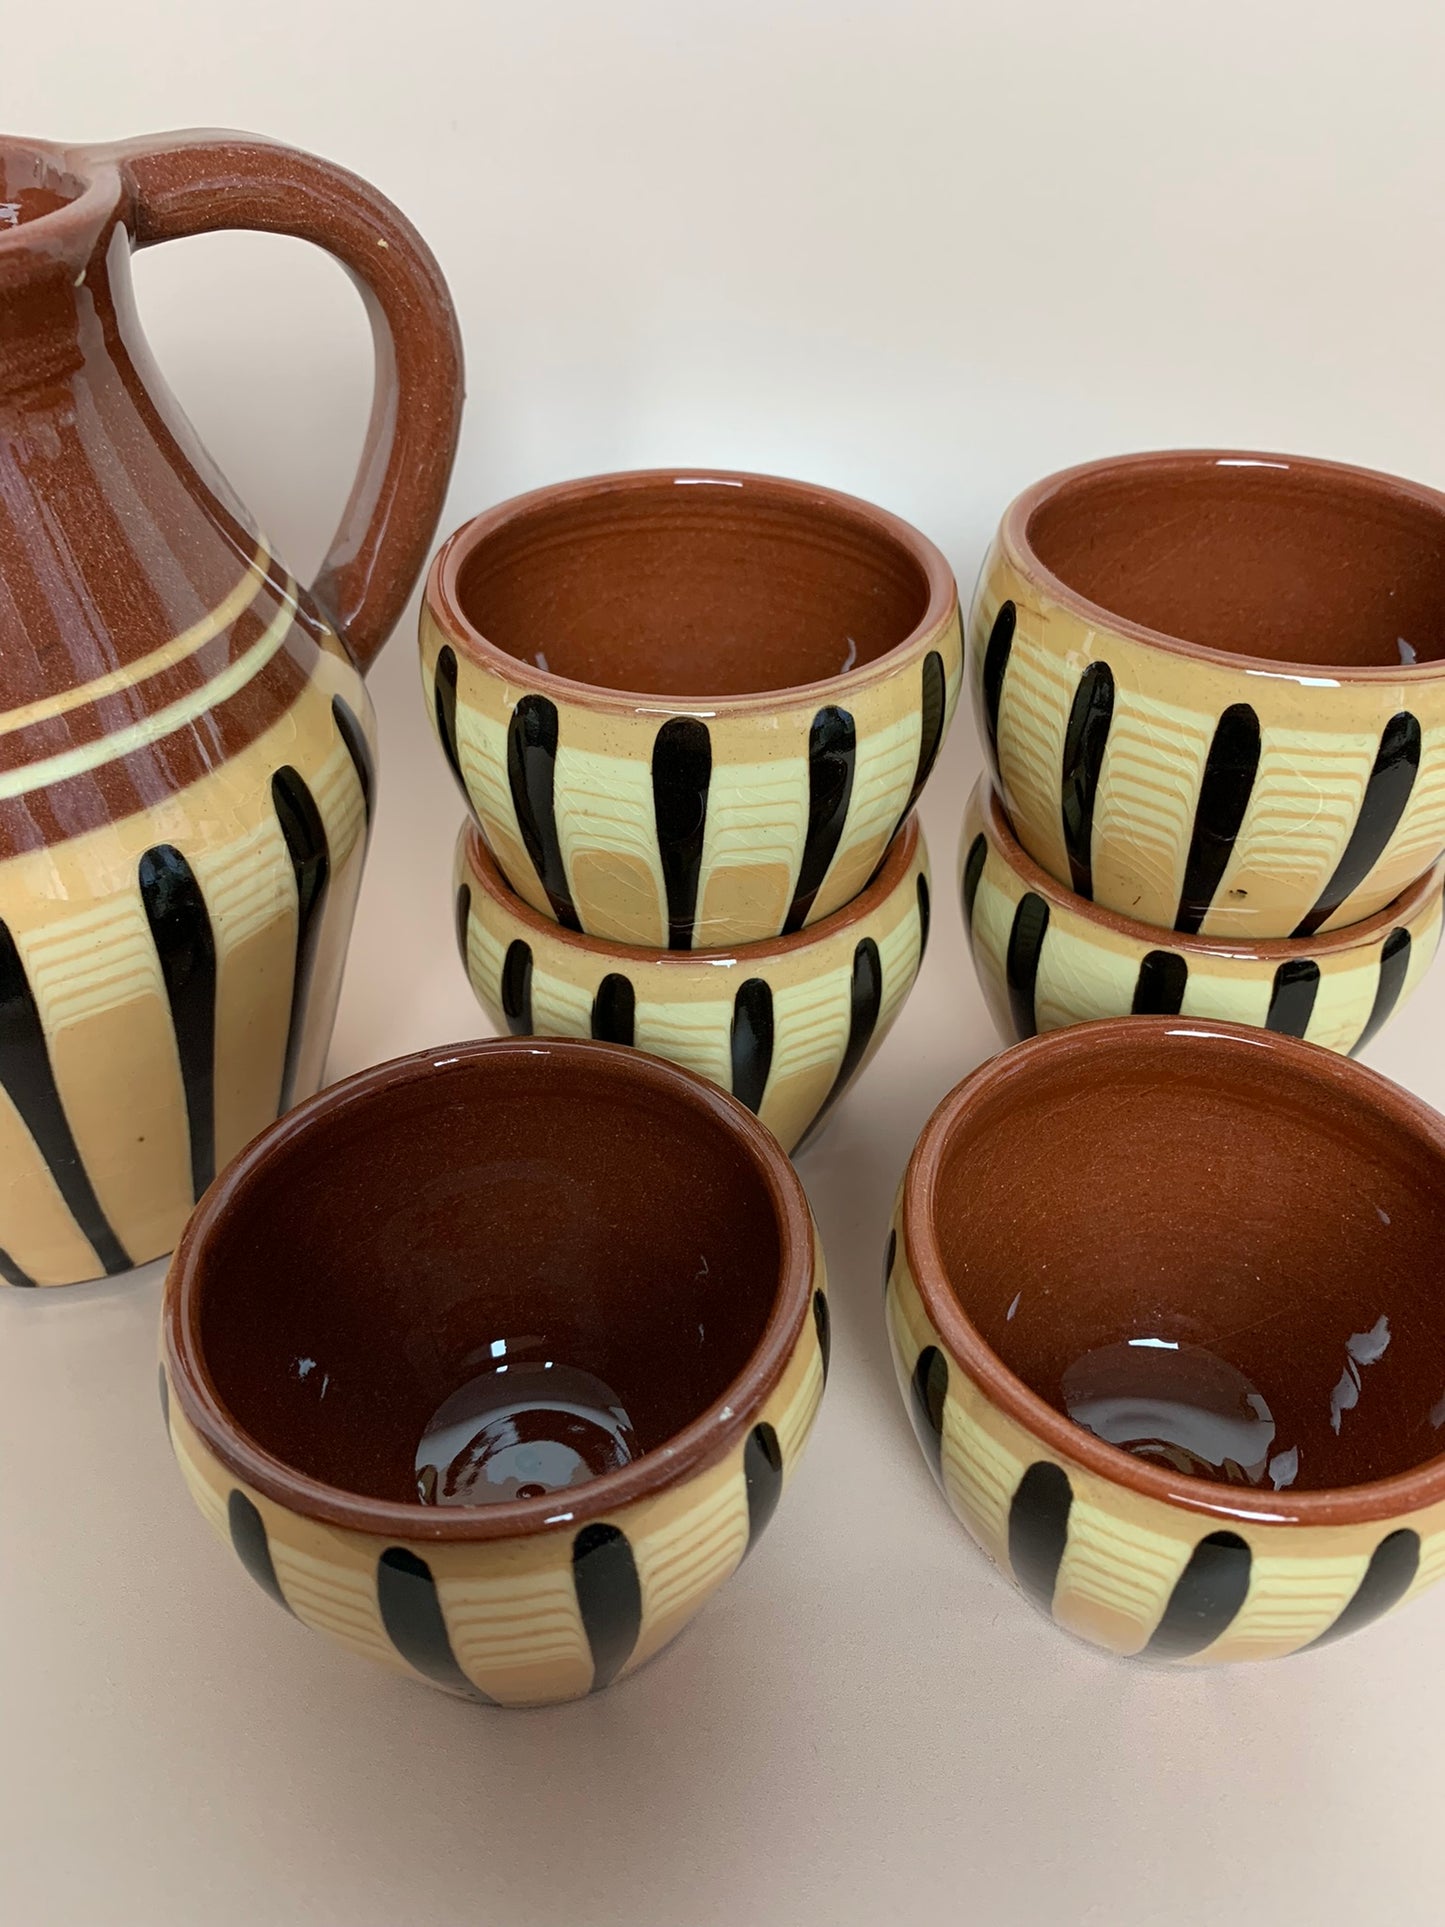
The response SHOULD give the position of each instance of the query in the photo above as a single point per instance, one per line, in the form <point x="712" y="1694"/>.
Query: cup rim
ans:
<point x="1014" y="540"/>
<point x="441" y="600"/>
<point x="1399" y="911"/>
<point x="703" y="1441"/>
<point x="1401" y="1493"/>
<point x="479" y="861"/>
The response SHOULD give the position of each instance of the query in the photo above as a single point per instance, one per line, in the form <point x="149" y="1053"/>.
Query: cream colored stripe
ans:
<point x="186" y="709"/>
<point x="176" y="650"/>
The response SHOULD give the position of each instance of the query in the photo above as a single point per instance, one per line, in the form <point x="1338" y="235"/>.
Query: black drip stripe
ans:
<point x="1397" y="763"/>
<point x="1085" y="741"/>
<point x="1206" y="1597"/>
<point x="348" y="728"/>
<point x="890" y="1252"/>
<point x="823" y="1325"/>
<point x="1394" y="966"/>
<point x="614" y="1010"/>
<point x="752" y="1042"/>
<point x="933" y="700"/>
<point x="517" y="987"/>
<point x="11" y="1272"/>
<point x="925" y="917"/>
<point x="1021" y="965"/>
<point x="30" y="1084"/>
<point x="972" y="877"/>
<point x="532" y="778"/>
<point x="763" y="1475"/>
<point x="1292" y="997"/>
<point x="1224" y="793"/>
<point x="1159" y="988"/>
<point x="609" y="1598"/>
<point x="180" y="928"/>
<point x="927" y="1391"/>
<point x="253" y="1548"/>
<point x="681" y="778"/>
<point x="995" y="668"/>
<point x="832" y="752"/>
<point x="165" y="1392"/>
<point x="1388" y="1577"/>
<point x="444" y="703"/>
<point x="464" y="917"/>
<point x="1038" y="1530"/>
<point x="865" y="1001"/>
<point x="411" y="1611"/>
<point x="305" y="835"/>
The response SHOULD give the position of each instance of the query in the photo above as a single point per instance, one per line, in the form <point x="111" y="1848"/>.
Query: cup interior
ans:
<point x="693" y="585"/>
<point x="1218" y="1252"/>
<point x="1255" y="556"/>
<point x="522" y="1266"/>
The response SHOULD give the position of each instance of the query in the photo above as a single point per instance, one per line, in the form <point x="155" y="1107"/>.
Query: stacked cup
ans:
<point x="1212" y="691"/>
<point x="691" y="713"/>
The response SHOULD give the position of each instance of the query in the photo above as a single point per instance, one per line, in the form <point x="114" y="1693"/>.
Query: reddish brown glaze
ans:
<point x="117" y="533"/>
<point x="636" y="1219"/>
<point x="691" y="583"/>
<point x="1202" y="1184"/>
<point x="1272" y="556"/>
<point x="186" y="745"/>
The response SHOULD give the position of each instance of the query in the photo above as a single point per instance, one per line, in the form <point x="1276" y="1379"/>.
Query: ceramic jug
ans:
<point x="185" y="738"/>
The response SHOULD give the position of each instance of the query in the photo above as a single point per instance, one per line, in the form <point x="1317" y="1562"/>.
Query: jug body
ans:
<point x="186" y="742"/>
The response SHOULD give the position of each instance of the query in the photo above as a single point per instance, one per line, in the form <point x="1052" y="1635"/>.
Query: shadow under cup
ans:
<point x="1223" y="1256"/>
<point x="491" y="1276"/>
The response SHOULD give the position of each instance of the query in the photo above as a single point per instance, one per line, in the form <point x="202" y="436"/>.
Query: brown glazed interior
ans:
<point x="1327" y="943"/>
<point x="691" y="584"/>
<point x="1263" y="556"/>
<point x="362" y="1259"/>
<point x="1201" y="1184"/>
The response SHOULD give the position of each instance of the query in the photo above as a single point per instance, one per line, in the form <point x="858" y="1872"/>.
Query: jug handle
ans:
<point x="195" y="183"/>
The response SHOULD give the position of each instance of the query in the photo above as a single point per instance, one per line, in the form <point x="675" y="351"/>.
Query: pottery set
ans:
<point x="493" y="1362"/>
<point x="691" y="713"/>
<point x="1212" y="692"/>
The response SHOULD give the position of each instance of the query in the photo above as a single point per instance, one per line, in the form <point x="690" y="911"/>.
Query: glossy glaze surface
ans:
<point x="1261" y="1208"/>
<point x="786" y="1026"/>
<point x="186" y="746"/>
<point x="689" y="709"/>
<point x="1212" y="687"/>
<point x="572" y="1207"/>
<point x="1047" y="958"/>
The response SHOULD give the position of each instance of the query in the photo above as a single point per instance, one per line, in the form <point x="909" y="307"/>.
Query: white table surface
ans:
<point x="926" y="253"/>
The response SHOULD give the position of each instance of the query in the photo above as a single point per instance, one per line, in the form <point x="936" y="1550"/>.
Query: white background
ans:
<point x="927" y="253"/>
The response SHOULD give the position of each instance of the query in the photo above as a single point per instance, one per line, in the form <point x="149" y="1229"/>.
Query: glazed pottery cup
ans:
<point x="1213" y="687"/>
<point x="1047" y="958"/>
<point x="1219" y="1250"/>
<point x="493" y="1362"/>
<point x="785" y="1025"/>
<point x="689" y="709"/>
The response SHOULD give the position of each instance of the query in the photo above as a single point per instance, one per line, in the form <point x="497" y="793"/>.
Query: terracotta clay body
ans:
<point x="185" y="740"/>
<point x="1212" y="686"/>
<point x="1239" y="1218"/>
<point x="418" y="1232"/>
<point x="689" y="709"/>
<point x="1047" y="958"/>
